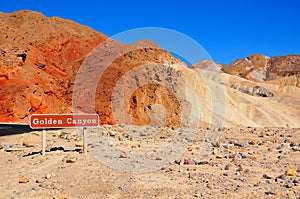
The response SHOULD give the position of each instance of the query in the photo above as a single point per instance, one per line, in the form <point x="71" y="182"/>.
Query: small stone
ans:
<point x="209" y="186"/>
<point x="189" y="161"/>
<point x="11" y="149"/>
<point x="292" y="144"/>
<point x="216" y="144"/>
<point x="143" y="134"/>
<point x="124" y="155"/>
<point x="195" y="160"/>
<point x="243" y="144"/>
<point x="190" y="175"/>
<point x="35" y="189"/>
<point x="267" y="176"/>
<point x="269" y="193"/>
<point x="266" y="154"/>
<point x="289" y="185"/>
<point x="111" y="144"/>
<point x="219" y="156"/>
<point x="168" y="170"/>
<point x="227" y="167"/>
<point x="243" y="155"/>
<point x="79" y="143"/>
<point x="203" y="162"/>
<point x="28" y="144"/>
<point x="282" y="177"/>
<point x="48" y="176"/>
<point x="240" y="168"/>
<point x="23" y="179"/>
<point x="252" y="142"/>
<point x="291" y="172"/>
<point x="71" y="160"/>
<point x="40" y="180"/>
<point x="132" y="151"/>
<point x="177" y="161"/>
<point x="232" y="142"/>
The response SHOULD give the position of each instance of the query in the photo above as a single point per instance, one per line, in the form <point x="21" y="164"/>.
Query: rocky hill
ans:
<point x="40" y="58"/>
<point x="40" y="62"/>
<point x="258" y="67"/>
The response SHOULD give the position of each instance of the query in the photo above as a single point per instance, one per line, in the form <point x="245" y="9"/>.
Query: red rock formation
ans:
<point x="40" y="58"/>
<point x="38" y="62"/>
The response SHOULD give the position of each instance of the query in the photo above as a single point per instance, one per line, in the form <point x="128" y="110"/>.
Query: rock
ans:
<point x="111" y="144"/>
<point x="253" y="142"/>
<point x="267" y="176"/>
<point x="189" y="161"/>
<point x="219" y="156"/>
<point x="28" y="144"/>
<point x="112" y="133"/>
<point x="124" y="155"/>
<point x="35" y="189"/>
<point x="291" y="172"/>
<point x="23" y="179"/>
<point x="40" y="180"/>
<point x="190" y="175"/>
<point x="227" y="167"/>
<point x="131" y="151"/>
<point x="216" y="144"/>
<point x="282" y="177"/>
<point x="243" y="155"/>
<point x="243" y="144"/>
<point x="48" y="176"/>
<point x="266" y="154"/>
<point x="209" y="186"/>
<point x="203" y="162"/>
<point x="289" y="185"/>
<point x="269" y="193"/>
<point x="71" y="160"/>
<point x="168" y="170"/>
<point x="240" y="168"/>
<point x="177" y="161"/>
<point x="79" y="143"/>
<point x="195" y="160"/>
<point x="13" y="149"/>
<point x="292" y="144"/>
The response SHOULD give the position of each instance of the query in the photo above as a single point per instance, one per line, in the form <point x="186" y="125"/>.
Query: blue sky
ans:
<point x="227" y="29"/>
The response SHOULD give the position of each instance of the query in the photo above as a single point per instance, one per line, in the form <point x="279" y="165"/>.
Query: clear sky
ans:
<point x="227" y="29"/>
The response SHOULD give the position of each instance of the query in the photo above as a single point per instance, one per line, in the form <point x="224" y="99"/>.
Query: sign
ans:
<point x="44" y="121"/>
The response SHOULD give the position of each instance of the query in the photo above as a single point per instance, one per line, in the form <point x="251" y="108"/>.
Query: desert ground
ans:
<point x="243" y="163"/>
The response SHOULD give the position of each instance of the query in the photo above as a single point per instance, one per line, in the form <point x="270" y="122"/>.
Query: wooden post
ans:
<point x="84" y="140"/>
<point x="44" y="143"/>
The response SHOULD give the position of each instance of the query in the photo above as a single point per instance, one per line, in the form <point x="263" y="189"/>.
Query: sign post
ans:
<point x="44" y="142"/>
<point x="52" y="121"/>
<point x="84" y="140"/>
